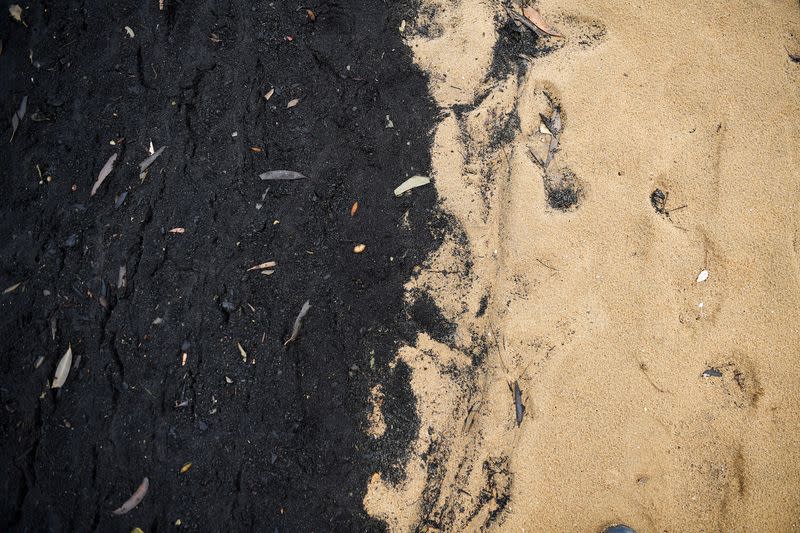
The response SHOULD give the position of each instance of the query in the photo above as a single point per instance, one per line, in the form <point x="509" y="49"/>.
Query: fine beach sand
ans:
<point x="597" y="312"/>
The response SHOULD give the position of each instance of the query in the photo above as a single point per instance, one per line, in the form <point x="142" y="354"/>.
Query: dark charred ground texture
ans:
<point x="282" y="446"/>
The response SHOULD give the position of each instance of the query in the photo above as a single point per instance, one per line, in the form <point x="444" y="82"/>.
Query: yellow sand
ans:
<point x="597" y="312"/>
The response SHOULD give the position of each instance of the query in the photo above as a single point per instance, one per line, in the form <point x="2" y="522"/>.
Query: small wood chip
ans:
<point x="262" y="266"/>
<point x="12" y="288"/>
<point x="185" y="468"/>
<point x="354" y="209"/>
<point x="256" y="149"/>
<point x="358" y="248"/>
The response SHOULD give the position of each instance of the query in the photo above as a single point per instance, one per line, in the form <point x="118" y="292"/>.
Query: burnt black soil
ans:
<point x="276" y="441"/>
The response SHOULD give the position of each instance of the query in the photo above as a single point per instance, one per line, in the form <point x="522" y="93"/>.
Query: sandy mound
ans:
<point x="652" y="398"/>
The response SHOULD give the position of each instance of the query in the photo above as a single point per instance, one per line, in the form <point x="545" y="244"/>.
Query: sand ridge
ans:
<point x="596" y="312"/>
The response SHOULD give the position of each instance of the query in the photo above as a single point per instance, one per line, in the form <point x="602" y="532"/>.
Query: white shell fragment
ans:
<point x="702" y="276"/>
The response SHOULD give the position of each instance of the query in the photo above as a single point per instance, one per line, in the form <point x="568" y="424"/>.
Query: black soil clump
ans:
<point x="147" y="280"/>
<point x="563" y="190"/>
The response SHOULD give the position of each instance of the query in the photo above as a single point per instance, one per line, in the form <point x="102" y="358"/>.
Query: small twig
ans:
<point x="545" y="264"/>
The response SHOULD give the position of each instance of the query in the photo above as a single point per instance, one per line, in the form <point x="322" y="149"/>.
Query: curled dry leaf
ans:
<point x="293" y="102"/>
<point x="282" y="175"/>
<point x="62" y="369"/>
<point x="262" y="266"/>
<point x="298" y="322"/>
<point x="135" y="498"/>
<point x="19" y="114"/>
<point x="410" y="183"/>
<point x="12" y="288"/>
<point x="359" y="248"/>
<point x="354" y="209"/>
<point x="533" y="15"/>
<point x="104" y="172"/>
<point x="178" y="230"/>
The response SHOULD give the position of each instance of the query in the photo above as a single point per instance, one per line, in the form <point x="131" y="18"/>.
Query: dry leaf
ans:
<point x="354" y="209"/>
<point x="256" y="149"/>
<point x="104" y="172"/>
<point x="358" y="248"/>
<point x="62" y="369"/>
<point x="12" y="288"/>
<point x="130" y="32"/>
<point x="533" y="15"/>
<point x="185" y="468"/>
<point x="135" y="498"/>
<point x="178" y="230"/>
<point x="410" y="183"/>
<point x="242" y="352"/>
<point x="269" y="94"/>
<point x="293" y="102"/>
<point x="312" y="17"/>
<point x="702" y="276"/>
<point x="16" y="12"/>
<point x="282" y="175"/>
<point x="298" y="322"/>
<point x="19" y="114"/>
<point x="144" y="165"/>
<point x="262" y="266"/>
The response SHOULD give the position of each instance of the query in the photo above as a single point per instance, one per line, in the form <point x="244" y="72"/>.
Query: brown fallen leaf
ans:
<point x="298" y="322"/>
<point x="104" y="172"/>
<point x="358" y="248"/>
<point x="354" y="209"/>
<point x="262" y="266"/>
<point x="293" y="102"/>
<point x="12" y="288"/>
<point x="135" y="498"/>
<point x="533" y="15"/>
<point x="178" y="230"/>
